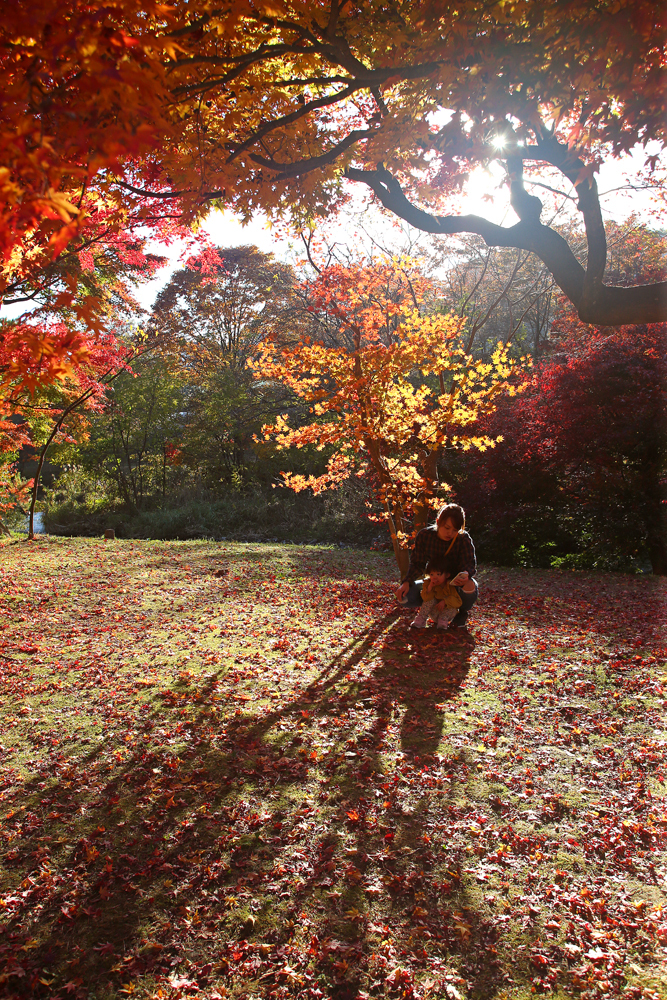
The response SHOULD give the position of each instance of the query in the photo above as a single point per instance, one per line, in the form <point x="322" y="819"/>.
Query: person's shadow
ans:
<point x="422" y="670"/>
<point x="405" y="696"/>
<point x="415" y="672"/>
<point x="148" y="835"/>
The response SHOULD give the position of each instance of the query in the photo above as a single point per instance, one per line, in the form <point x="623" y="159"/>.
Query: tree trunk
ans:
<point x="658" y="555"/>
<point x="423" y="510"/>
<point x="402" y="558"/>
<point x="35" y="485"/>
<point x="657" y="550"/>
<point x="402" y="555"/>
<point x="395" y="522"/>
<point x="655" y="513"/>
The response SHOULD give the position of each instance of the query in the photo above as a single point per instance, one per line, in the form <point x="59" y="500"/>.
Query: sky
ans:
<point x="484" y="184"/>
<point x="485" y="195"/>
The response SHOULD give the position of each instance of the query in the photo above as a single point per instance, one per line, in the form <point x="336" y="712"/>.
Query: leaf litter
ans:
<point x="232" y="770"/>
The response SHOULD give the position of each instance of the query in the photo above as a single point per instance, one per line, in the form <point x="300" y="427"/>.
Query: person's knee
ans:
<point x="413" y="598"/>
<point x="468" y="597"/>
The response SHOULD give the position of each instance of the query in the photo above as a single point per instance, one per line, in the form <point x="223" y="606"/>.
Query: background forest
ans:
<point x="561" y="465"/>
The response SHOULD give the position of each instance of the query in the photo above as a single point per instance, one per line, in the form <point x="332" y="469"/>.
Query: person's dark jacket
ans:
<point x="428" y="546"/>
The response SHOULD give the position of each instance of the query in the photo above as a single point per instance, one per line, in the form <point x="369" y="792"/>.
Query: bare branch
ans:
<point x="477" y="284"/>
<point x="553" y="190"/>
<point x="307" y="243"/>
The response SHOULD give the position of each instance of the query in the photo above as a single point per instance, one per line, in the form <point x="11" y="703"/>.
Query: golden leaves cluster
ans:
<point x="394" y="396"/>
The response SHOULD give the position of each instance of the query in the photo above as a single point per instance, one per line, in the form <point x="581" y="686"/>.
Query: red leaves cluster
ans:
<point x="586" y="436"/>
<point x="34" y="355"/>
<point x="71" y="108"/>
<point x="595" y="396"/>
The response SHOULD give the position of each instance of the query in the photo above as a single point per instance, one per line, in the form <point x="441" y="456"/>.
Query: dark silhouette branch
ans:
<point x="150" y="194"/>
<point x="299" y="167"/>
<point x="307" y="245"/>
<point x="301" y="112"/>
<point x="603" y="305"/>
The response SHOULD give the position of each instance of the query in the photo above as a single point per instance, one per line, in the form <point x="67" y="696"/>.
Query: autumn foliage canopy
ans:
<point x="584" y="446"/>
<point x="121" y="120"/>
<point x="152" y="112"/>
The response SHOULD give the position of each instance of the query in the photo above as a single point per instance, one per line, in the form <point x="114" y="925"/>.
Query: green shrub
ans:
<point x="241" y="516"/>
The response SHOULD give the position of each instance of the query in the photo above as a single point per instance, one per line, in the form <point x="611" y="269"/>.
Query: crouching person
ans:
<point x="449" y="544"/>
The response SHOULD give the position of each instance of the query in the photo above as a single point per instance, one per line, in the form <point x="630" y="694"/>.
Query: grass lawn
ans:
<point x="230" y="770"/>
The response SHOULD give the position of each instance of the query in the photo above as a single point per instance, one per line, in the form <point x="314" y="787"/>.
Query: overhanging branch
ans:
<point x="287" y="170"/>
<point x="150" y="194"/>
<point x="610" y="305"/>
<point x="306" y="109"/>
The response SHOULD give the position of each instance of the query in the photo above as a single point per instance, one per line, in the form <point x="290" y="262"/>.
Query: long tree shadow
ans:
<point x="138" y="866"/>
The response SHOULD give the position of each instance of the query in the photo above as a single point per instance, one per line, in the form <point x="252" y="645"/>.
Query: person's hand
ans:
<point x="440" y="606"/>
<point x="402" y="591"/>
<point x="460" y="579"/>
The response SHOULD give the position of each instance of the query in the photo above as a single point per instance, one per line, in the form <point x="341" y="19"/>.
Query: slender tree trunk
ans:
<point x="45" y="448"/>
<point x="423" y="510"/>
<point x="658" y="555"/>
<point x="395" y="521"/>
<point x="83" y="398"/>
<point x="35" y="487"/>
<point x="395" y="524"/>
<point x="655" y="514"/>
<point x="655" y="539"/>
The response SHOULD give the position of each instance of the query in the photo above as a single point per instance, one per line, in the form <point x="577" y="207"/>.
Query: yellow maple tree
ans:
<point x="392" y="389"/>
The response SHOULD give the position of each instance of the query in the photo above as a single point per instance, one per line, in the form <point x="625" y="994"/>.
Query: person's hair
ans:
<point x="436" y="566"/>
<point x="452" y="512"/>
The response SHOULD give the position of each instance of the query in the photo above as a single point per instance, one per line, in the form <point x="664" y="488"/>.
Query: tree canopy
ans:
<point x="160" y="111"/>
<point x="584" y="452"/>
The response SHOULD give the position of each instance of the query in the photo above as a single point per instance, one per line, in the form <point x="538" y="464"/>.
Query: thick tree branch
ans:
<point x="526" y="206"/>
<point x="606" y="305"/>
<point x="599" y="303"/>
<point x="288" y="170"/>
<point x="243" y="63"/>
<point x="581" y="176"/>
<point x="360" y="75"/>
<point x="526" y="235"/>
<point x="150" y="194"/>
<point x="334" y="15"/>
<point x="306" y="81"/>
<point x="197" y="25"/>
<point x="294" y="116"/>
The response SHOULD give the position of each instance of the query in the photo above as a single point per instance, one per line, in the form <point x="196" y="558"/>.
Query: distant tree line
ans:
<point x="577" y="474"/>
